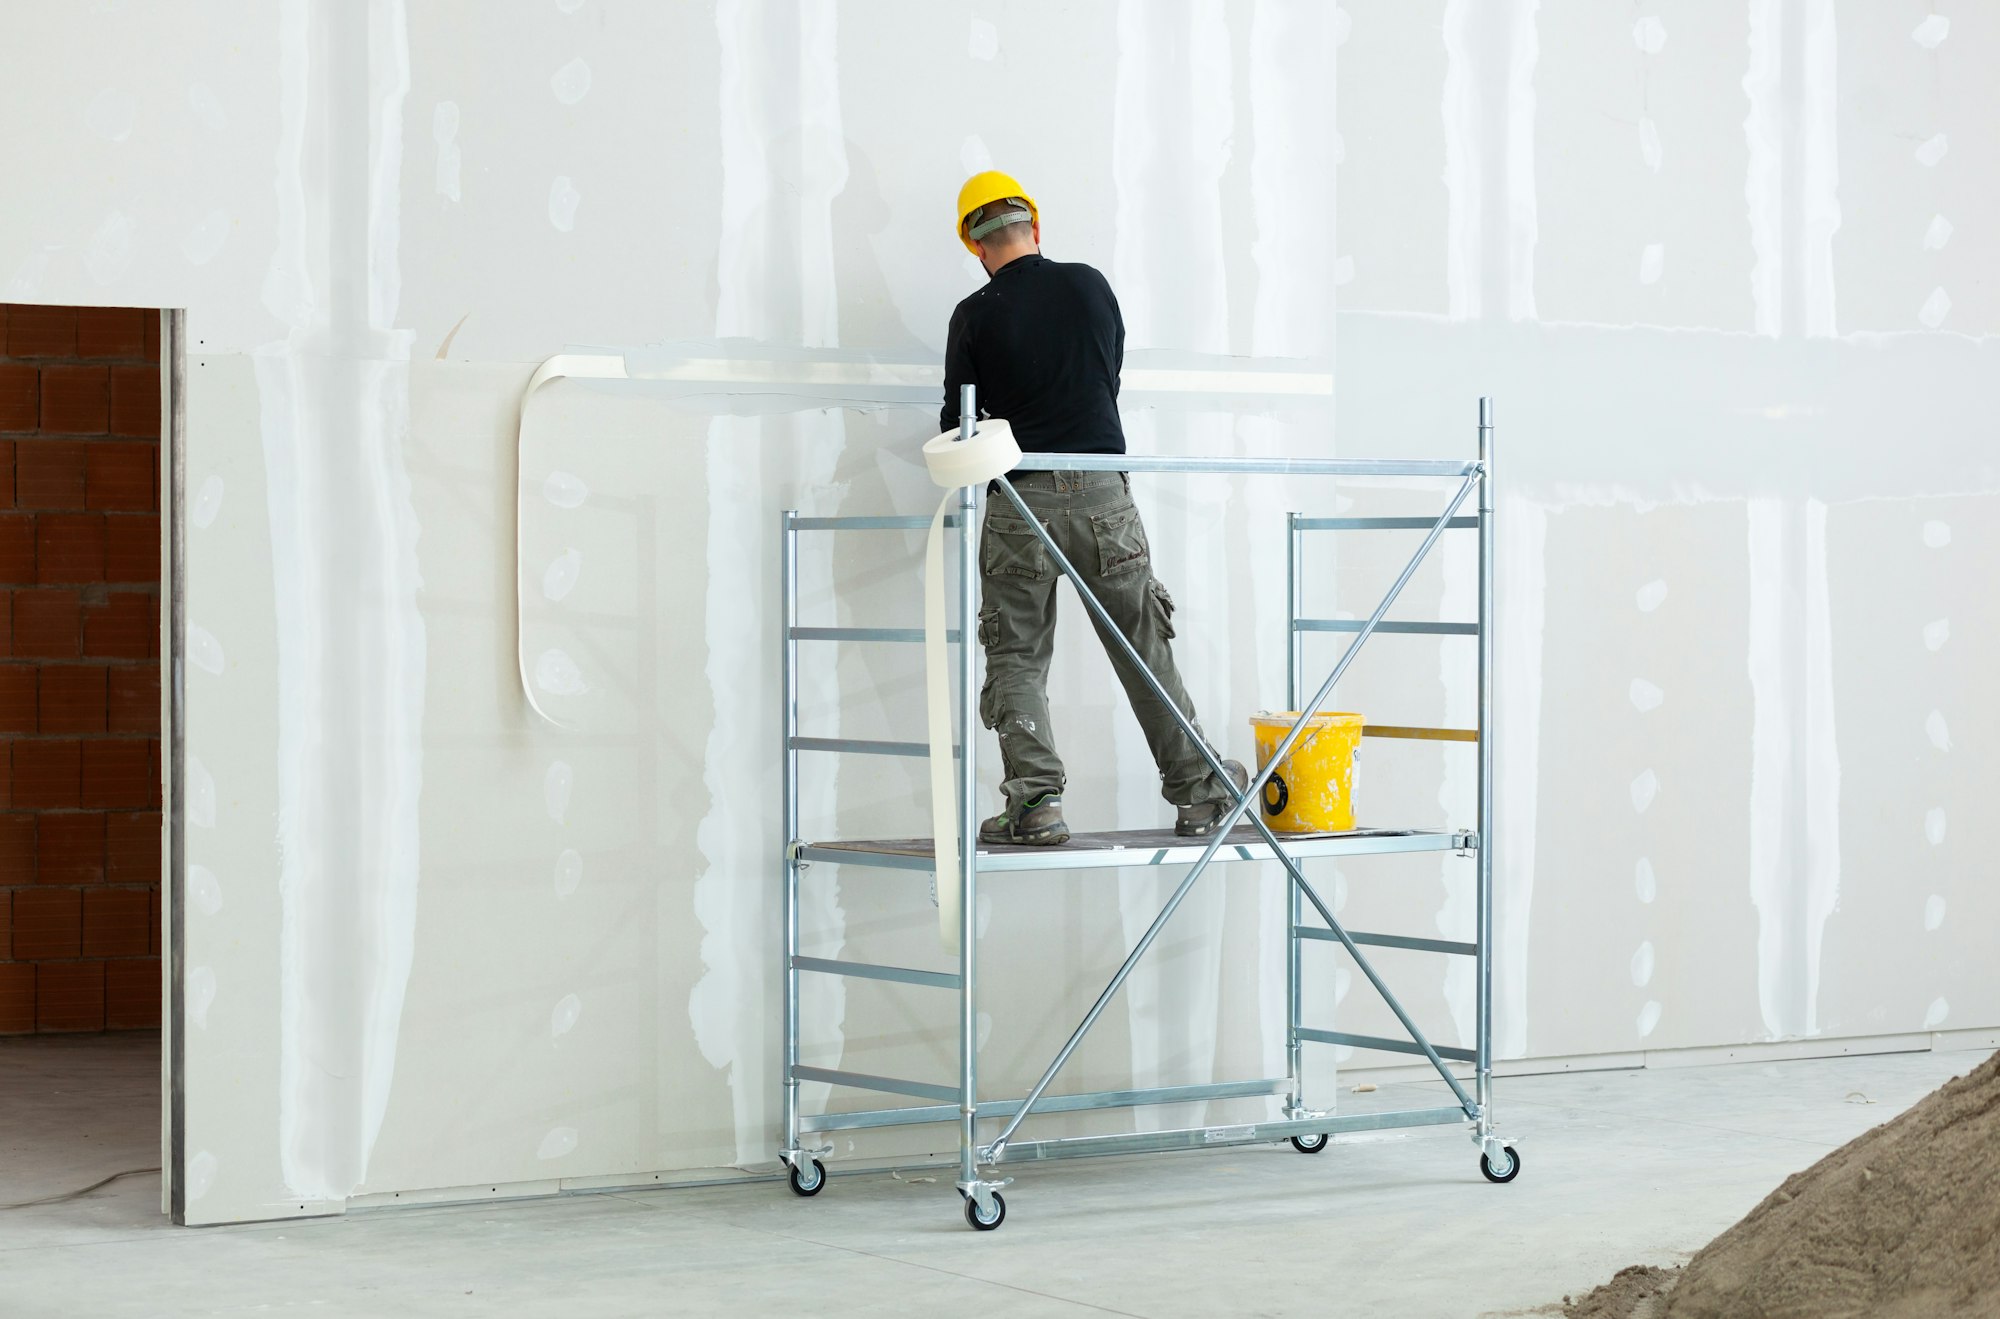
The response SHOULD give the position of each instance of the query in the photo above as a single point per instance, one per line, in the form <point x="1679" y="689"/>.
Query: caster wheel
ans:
<point x="808" y="1183"/>
<point x="981" y="1223"/>
<point x="1509" y="1168"/>
<point x="1309" y="1144"/>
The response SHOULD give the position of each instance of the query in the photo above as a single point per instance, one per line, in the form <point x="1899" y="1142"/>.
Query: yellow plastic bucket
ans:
<point x="1313" y="790"/>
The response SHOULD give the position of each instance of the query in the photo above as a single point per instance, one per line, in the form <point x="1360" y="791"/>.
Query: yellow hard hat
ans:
<point x="983" y="189"/>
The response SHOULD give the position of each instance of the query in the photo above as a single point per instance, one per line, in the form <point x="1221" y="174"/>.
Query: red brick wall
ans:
<point x="79" y="669"/>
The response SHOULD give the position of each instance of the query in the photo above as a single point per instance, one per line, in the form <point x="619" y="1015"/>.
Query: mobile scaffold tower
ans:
<point x="1242" y="836"/>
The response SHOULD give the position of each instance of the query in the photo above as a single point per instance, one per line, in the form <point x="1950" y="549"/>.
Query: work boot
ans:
<point x="1200" y="819"/>
<point x="1036" y="823"/>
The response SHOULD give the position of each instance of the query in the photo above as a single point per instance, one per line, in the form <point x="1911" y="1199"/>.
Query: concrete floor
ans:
<point x="1619" y="1167"/>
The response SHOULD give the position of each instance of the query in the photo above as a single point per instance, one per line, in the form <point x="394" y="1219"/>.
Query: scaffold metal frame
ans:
<point x="1307" y="1128"/>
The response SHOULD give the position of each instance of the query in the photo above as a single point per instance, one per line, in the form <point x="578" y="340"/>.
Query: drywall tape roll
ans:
<point x="953" y="463"/>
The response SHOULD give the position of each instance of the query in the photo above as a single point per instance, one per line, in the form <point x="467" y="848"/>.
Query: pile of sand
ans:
<point x="1900" y="1223"/>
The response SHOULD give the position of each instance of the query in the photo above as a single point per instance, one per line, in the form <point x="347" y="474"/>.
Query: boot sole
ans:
<point x="1047" y="838"/>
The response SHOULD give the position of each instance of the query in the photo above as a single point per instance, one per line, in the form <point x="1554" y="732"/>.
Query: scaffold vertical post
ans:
<point x="968" y="805"/>
<point x="1483" y="1090"/>
<point x="1294" y="901"/>
<point x="788" y="727"/>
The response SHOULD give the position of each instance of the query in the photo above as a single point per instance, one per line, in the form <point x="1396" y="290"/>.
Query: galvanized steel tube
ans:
<point x="788" y="722"/>
<point x="1483" y="1082"/>
<point x="968" y="806"/>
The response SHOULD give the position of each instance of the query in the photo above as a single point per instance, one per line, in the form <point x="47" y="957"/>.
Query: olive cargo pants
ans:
<point x="1091" y="517"/>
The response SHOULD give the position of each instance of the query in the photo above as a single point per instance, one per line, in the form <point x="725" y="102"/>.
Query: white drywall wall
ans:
<point x="1729" y="271"/>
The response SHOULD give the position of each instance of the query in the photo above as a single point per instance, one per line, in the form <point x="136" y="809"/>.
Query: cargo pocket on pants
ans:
<point x="1163" y="608"/>
<point x="1121" y="542"/>
<point x="1009" y="547"/>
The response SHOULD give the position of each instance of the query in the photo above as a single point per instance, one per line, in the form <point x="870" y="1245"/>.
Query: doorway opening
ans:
<point x="81" y="718"/>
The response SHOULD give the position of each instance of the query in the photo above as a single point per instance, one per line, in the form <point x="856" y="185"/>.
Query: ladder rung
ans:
<point x="871" y="971"/>
<point x="1390" y="1046"/>
<point x="888" y="1084"/>
<point x="1379" y="524"/>
<point x="1389" y="941"/>
<point x="1356" y="624"/>
<point x="867" y="523"/>
<point x="861" y="747"/>
<point x="906" y="634"/>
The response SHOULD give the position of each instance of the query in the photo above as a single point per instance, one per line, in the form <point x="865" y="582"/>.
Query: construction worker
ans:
<point x="1043" y="342"/>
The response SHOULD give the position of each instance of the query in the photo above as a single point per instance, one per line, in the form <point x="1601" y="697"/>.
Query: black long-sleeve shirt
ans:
<point x="1044" y="343"/>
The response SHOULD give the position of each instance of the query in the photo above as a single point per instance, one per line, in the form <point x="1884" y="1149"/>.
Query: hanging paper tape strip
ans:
<point x="953" y="463"/>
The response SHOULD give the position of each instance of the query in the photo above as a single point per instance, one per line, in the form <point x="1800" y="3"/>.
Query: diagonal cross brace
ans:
<point x="1237" y="811"/>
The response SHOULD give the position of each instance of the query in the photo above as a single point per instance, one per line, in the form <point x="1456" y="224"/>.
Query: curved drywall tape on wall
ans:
<point x="582" y="366"/>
